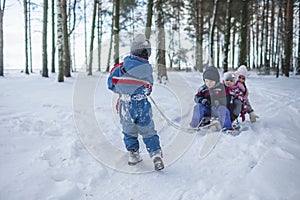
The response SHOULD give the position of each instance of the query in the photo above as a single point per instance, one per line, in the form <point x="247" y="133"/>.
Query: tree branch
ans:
<point x="3" y="7"/>
<point x="74" y="19"/>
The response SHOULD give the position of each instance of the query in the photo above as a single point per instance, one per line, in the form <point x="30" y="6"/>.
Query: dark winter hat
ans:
<point x="141" y="46"/>
<point x="211" y="73"/>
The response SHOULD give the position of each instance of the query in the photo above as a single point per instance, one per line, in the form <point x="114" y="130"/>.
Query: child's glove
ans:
<point x="205" y="102"/>
<point x="253" y="117"/>
<point x="147" y="91"/>
<point x="217" y="103"/>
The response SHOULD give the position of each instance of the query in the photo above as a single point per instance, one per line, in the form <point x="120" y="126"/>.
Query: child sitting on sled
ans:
<point x="235" y="96"/>
<point x="241" y="74"/>
<point x="211" y="101"/>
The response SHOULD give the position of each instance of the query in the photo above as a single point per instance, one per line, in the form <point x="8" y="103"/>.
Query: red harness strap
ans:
<point x="130" y="81"/>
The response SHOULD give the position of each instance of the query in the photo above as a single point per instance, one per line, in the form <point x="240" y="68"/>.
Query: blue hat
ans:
<point x="211" y="73"/>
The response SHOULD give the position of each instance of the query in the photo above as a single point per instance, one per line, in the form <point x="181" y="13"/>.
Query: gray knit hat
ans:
<point x="141" y="46"/>
<point x="229" y="76"/>
<point x="211" y="73"/>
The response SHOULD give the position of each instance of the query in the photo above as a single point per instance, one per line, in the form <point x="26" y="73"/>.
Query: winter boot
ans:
<point x="236" y="124"/>
<point x="205" y="121"/>
<point x="158" y="163"/>
<point x="215" y="125"/>
<point x="232" y="131"/>
<point x="134" y="158"/>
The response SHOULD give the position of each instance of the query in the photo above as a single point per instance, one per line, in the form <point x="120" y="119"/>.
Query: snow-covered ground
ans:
<point x="48" y="149"/>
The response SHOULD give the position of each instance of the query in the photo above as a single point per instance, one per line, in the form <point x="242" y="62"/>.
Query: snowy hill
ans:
<point x="50" y="147"/>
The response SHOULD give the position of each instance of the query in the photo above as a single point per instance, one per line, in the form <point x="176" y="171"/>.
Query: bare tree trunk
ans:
<point x="218" y="49"/>
<point x="60" y="41"/>
<point x="2" y="8"/>
<point x="197" y="10"/>
<point x="272" y="39"/>
<point x="178" y="34"/>
<point x="243" y="33"/>
<point x="288" y="38"/>
<point x="161" y="51"/>
<point x="262" y="35"/>
<point x="257" y="34"/>
<point x="171" y="48"/>
<point x="116" y="32"/>
<point x="248" y="57"/>
<point x="100" y="24"/>
<point x="233" y="48"/>
<point x="149" y="19"/>
<point x="53" y="39"/>
<point x="266" y="54"/>
<point x="73" y="53"/>
<point x="283" y="8"/>
<point x="45" y="54"/>
<point x="132" y="21"/>
<point x="66" y="48"/>
<point x="199" y="38"/>
<point x="211" y="32"/>
<point x="85" y="36"/>
<point x="26" y="36"/>
<point x="92" y="37"/>
<point x="227" y="35"/>
<point x="253" y="36"/>
<point x="71" y="29"/>
<point x="111" y="40"/>
<point x="298" y="69"/>
<point x="277" y="50"/>
<point x="30" y="41"/>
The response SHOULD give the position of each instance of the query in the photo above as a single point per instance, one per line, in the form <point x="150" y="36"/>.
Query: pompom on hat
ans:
<point x="141" y="46"/>
<point x="242" y="71"/>
<point x="211" y="73"/>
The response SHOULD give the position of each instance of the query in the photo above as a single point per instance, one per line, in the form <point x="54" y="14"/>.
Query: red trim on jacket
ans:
<point x="117" y="65"/>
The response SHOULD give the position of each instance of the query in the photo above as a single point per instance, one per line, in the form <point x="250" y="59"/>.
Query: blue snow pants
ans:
<point x="221" y="112"/>
<point x="136" y="118"/>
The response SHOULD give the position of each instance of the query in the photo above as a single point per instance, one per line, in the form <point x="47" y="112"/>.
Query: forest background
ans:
<point x="62" y="37"/>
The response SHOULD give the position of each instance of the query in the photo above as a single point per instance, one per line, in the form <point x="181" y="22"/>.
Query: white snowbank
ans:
<point x="42" y="156"/>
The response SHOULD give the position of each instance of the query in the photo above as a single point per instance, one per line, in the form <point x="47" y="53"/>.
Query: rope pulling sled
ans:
<point x="177" y="126"/>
